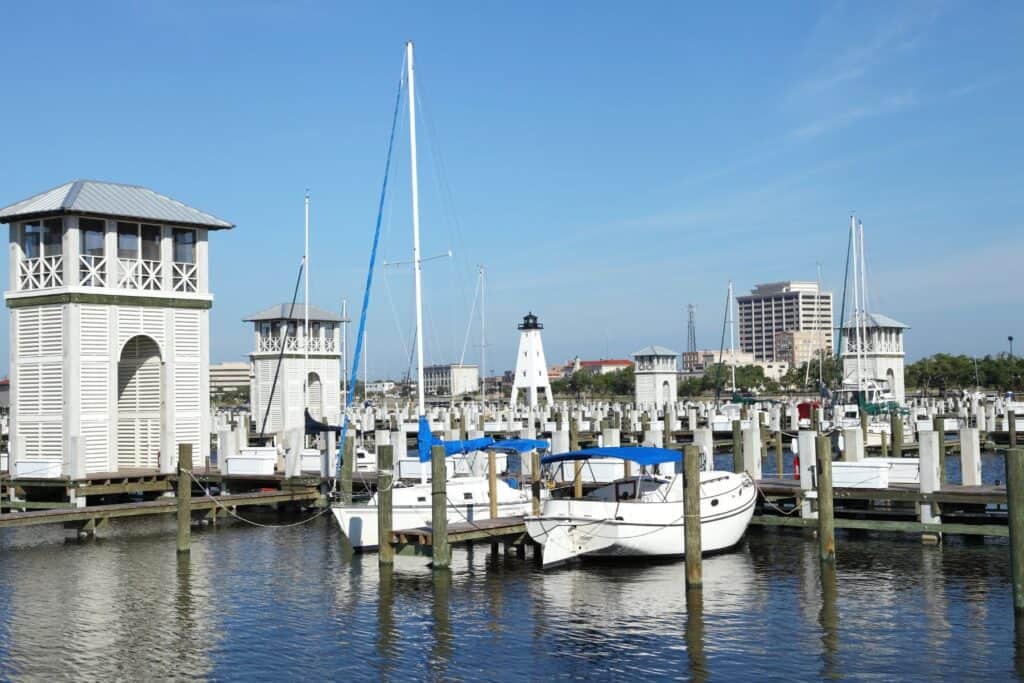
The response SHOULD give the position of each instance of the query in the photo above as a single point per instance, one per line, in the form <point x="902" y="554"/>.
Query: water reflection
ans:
<point x="828" y="619"/>
<point x="695" y="635"/>
<point x="254" y="603"/>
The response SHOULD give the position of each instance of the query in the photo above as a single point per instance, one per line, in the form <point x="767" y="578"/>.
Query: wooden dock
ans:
<point x="91" y="518"/>
<point x="511" y="531"/>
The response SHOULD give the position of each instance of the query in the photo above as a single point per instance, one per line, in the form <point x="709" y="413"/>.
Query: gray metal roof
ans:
<point x="93" y="197"/>
<point x="878" y="320"/>
<point x="281" y="312"/>
<point x="654" y="350"/>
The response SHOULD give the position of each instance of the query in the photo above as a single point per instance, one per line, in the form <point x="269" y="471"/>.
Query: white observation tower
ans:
<point x="531" y="368"/>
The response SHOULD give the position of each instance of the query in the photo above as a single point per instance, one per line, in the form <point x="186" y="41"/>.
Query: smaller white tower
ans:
<point x="531" y="368"/>
<point x="311" y="367"/>
<point x="656" y="374"/>
<point x="882" y="357"/>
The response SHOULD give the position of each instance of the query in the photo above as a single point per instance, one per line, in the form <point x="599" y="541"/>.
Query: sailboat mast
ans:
<point x="856" y="299"/>
<point x="732" y="337"/>
<point x="483" y="340"/>
<point x="305" y="307"/>
<point x="416" y="266"/>
<point x="817" y="314"/>
<point x="344" y="347"/>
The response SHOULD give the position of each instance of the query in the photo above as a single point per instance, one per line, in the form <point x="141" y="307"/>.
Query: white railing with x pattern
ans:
<point x="139" y="274"/>
<point x="92" y="271"/>
<point x="184" y="277"/>
<point x="42" y="272"/>
<point x="270" y="344"/>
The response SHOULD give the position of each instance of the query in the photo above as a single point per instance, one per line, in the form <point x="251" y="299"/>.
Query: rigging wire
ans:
<point x="369" y="275"/>
<point x="280" y="356"/>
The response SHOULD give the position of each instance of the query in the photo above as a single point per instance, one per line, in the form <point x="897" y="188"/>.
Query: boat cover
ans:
<point x="425" y="440"/>
<point x="639" y="454"/>
<point x="519" y="445"/>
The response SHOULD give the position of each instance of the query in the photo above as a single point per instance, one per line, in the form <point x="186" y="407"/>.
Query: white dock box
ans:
<point x="259" y="460"/>
<point x="864" y="474"/>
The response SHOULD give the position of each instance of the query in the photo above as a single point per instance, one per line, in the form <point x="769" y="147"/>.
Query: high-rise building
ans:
<point x="791" y="306"/>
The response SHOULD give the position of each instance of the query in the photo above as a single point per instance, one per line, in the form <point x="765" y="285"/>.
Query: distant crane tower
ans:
<point x="691" y="340"/>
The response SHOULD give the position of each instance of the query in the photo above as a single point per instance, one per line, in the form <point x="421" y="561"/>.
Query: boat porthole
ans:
<point x="714" y="502"/>
<point x="421" y="499"/>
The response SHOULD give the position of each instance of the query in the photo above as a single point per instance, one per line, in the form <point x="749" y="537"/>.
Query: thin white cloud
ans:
<point x="889" y="105"/>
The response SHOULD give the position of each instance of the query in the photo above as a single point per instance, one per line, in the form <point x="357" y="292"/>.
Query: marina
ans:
<point x="403" y="399"/>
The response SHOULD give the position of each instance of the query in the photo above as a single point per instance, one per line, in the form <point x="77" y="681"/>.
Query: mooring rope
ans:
<point x="234" y="514"/>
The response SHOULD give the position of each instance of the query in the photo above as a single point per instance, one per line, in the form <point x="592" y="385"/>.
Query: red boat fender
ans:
<point x="796" y="467"/>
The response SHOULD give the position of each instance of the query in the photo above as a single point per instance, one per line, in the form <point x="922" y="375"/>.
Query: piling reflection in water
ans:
<point x="442" y="652"/>
<point x="828" y="619"/>
<point x="695" y="635"/>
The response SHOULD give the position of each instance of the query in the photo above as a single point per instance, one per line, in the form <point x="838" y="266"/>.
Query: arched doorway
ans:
<point x="139" y="391"/>
<point x="666" y="393"/>
<point x="314" y="395"/>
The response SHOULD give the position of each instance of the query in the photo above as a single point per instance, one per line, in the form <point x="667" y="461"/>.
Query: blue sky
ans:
<point x="608" y="165"/>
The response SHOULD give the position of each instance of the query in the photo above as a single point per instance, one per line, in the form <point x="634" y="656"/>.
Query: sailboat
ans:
<point x="640" y="515"/>
<point x="724" y="415"/>
<point x="858" y="391"/>
<point x="468" y="497"/>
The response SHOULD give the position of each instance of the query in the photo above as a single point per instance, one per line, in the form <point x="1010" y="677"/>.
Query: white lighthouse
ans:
<point x="109" y="332"/>
<point x="310" y="367"/>
<point x="531" y="368"/>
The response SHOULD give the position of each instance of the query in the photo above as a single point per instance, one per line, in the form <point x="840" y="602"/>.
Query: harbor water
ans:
<point x="253" y="603"/>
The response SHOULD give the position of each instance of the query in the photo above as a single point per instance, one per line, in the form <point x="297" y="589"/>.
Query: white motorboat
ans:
<point x="641" y="515"/>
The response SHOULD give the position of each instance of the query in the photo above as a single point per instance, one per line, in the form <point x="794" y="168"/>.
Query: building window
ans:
<point x="42" y="238"/>
<point x="149" y="237"/>
<point x="184" y="245"/>
<point x="91" y="231"/>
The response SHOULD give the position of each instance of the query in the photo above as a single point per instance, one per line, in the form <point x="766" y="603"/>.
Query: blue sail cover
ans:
<point x="638" y="454"/>
<point x="519" y="445"/>
<point x="425" y="440"/>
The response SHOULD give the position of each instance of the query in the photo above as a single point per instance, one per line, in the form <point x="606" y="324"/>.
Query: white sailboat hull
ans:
<point x="595" y="528"/>
<point x="412" y="509"/>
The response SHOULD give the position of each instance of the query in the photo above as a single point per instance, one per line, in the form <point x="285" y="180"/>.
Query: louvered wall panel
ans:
<point x="28" y="331"/>
<point x="186" y="334"/>
<point x="95" y="445"/>
<point x="95" y="389"/>
<point x="51" y="330"/>
<point x="186" y="387"/>
<point x="95" y="331"/>
<point x="29" y="391"/>
<point x="51" y="379"/>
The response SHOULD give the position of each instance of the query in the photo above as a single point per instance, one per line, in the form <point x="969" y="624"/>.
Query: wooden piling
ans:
<point x="863" y="424"/>
<point x="897" y="435"/>
<point x="535" y="470"/>
<point x="762" y="436"/>
<point x="691" y="520"/>
<point x="439" y="509"/>
<point x="737" y="446"/>
<point x="826" y="521"/>
<point x="574" y="445"/>
<point x="385" y="477"/>
<point x="939" y="425"/>
<point x="780" y="451"/>
<point x="348" y="456"/>
<point x="1011" y="427"/>
<point x="184" y="497"/>
<point x="885" y="444"/>
<point x="492" y="482"/>
<point x="1015" y="506"/>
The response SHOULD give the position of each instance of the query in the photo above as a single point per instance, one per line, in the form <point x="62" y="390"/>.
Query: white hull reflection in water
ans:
<point x="643" y="516"/>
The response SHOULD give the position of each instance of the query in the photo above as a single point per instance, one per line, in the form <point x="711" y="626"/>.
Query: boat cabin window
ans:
<point x="421" y="499"/>
<point x="625" y="490"/>
<point x="467" y="496"/>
